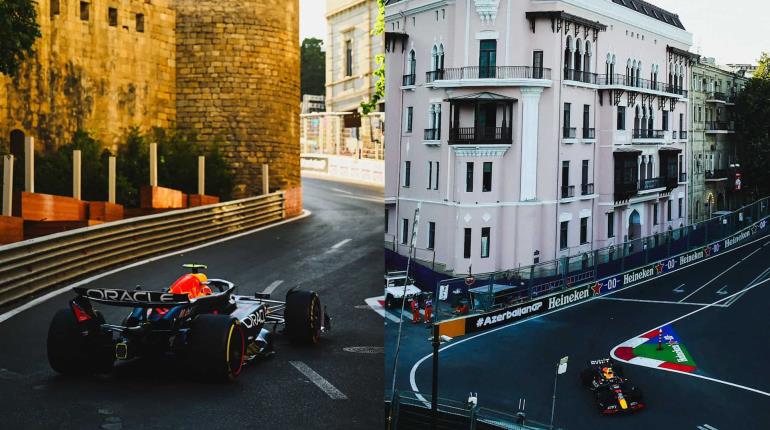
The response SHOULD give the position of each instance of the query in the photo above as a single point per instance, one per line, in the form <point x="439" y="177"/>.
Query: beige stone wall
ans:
<point x="93" y="76"/>
<point x="238" y="83"/>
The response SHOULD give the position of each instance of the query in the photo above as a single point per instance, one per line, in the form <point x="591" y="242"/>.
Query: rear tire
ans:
<point x="216" y="347"/>
<point x="71" y="353"/>
<point x="303" y="317"/>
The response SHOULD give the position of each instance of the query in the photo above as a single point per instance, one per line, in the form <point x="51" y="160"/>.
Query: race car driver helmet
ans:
<point x="608" y="373"/>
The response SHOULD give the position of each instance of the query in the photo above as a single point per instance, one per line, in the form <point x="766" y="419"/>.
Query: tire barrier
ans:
<point x="34" y="265"/>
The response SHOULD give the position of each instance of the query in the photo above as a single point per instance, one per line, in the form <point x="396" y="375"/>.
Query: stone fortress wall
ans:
<point x="228" y="69"/>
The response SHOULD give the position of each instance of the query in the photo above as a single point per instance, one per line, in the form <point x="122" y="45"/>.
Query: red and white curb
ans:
<point x="377" y="304"/>
<point x="625" y="352"/>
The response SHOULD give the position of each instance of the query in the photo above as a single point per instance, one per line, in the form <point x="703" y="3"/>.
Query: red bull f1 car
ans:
<point x="613" y="393"/>
<point x="199" y="320"/>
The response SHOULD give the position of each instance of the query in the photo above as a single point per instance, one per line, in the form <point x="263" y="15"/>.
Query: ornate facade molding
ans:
<point x="487" y="10"/>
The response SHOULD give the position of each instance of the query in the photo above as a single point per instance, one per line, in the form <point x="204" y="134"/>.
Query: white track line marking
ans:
<point x="678" y="289"/>
<point x="722" y="273"/>
<point x="694" y="375"/>
<point x="417" y="364"/>
<point x="319" y="380"/>
<point x="710" y="427"/>
<point x="374" y="304"/>
<point x="270" y="288"/>
<point x="13" y="312"/>
<point x="722" y="291"/>
<point x="760" y="276"/>
<point x="662" y="302"/>
<point x="366" y="199"/>
<point x="341" y="191"/>
<point x="341" y="243"/>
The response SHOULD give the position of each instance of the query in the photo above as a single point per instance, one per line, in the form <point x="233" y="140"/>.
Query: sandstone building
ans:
<point x="227" y="69"/>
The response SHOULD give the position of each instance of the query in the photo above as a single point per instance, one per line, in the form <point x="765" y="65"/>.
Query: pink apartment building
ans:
<point x="529" y="130"/>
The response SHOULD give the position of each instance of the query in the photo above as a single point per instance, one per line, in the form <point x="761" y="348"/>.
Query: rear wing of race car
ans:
<point x="133" y="299"/>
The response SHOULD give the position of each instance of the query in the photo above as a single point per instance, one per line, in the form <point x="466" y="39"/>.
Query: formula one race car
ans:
<point x="213" y="333"/>
<point x="612" y="392"/>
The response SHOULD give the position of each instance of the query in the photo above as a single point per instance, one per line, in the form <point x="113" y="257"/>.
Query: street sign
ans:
<point x="415" y="225"/>
<point x="443" y="292"/>
<point x="470" y="280"/>
<point x="562" y="366"/>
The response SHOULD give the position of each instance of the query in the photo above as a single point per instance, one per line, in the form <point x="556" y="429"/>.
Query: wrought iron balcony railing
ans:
<point x="589" y="133"/>
<point x="567" y="191"/>
<point x="717" y="174"/>
<point x="432" y="134"/>
<point x="409" y="80"/>
<point x="480" y="135"/>
<point x="652" y="183"/>
<point x="435" y="75"/>
<point x="580" y="76"/>
<point x="587" y="189"/>
<point x="569" y="132"/>
<point x="720" y="126"/>
<point x="495" y="72"/>
<point x="645" y="133"/>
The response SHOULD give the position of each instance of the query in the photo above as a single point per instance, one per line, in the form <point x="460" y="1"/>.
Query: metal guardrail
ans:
<point x="34" y="265"/>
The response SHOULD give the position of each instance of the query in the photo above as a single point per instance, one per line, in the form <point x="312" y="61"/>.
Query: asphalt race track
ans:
<point x="730" y="344"/>
<point x="336" y="251"/>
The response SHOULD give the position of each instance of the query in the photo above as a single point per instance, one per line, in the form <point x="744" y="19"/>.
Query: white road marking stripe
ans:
<point x="341" y="191"/>
<point x="717" y="276"/>
<point x="341" y="243"/>
<point x="319" y="380"/>
<point x="679" y="289"/>
<point x="374" y="304"/>
<point x="700" y="427"/>
<point x="29" y="305"/>
<point x="722" y="291"/>
<point x="270" y="288"/>
<point x="366" y="199"/>
<point x="710" y="427"/>
<point x="663" y="302"/>
<point x="736" y="298"/>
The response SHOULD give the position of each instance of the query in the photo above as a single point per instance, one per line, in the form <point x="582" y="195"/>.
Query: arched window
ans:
<point x="650" y="164"/>
<point x="612" y="69"/>
<point x="587" y="58"/>
<point x="412" y="67"/>
<point x="441" y="57"/>
<point x="632" y="74"/>
<point x="681" y="77"/>
<point x="637" y="119"/>
<point x="578" y="62"/>
<point x="434" y="58"/>
<point x="638" y="82"/>
<point x="568" y="57"/>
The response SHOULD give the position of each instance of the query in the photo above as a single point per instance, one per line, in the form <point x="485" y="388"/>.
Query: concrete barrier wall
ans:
<point x="361" y="170"/>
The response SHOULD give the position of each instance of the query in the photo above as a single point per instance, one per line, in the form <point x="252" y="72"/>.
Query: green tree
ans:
<point x="763" y="69"/>
<point x="313" y="67"/>
<point x="379" y="87"/>
<point x="18" y="32"/>
<point x="752" y="111"/>
<point x="55" y="169"/>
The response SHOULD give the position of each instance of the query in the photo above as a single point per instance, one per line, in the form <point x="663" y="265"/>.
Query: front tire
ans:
<point x="72" y="353"/>
<point x="303" y="317"/>
<point x="216" y="347"/>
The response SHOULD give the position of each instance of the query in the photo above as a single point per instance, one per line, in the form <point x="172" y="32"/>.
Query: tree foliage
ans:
<point x="312" y="67"/>
<point x="177" y="166"/>
<point x="379" y="87"/>
<point x="752" y="112"/>
<point x="763" y="69"/>
<point x="18" y="32"/>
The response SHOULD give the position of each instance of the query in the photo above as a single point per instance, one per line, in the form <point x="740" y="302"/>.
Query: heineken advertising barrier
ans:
<point x="488" y="320"/>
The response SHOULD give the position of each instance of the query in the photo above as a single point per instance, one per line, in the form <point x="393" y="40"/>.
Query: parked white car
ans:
<point x="394" y="289"/>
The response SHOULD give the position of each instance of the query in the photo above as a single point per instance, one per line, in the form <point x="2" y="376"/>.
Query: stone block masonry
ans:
<point x="238" y="84"/>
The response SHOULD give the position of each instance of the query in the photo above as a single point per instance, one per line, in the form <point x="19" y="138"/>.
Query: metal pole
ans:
<point x="76" y="173"/>
<point x="153" y="164"/>
<point x="29" y="164"/>
<point x="434" y="391"/>
<point x="553" y="404"/>
<point x="111" y="174"/>
<point x="201" y="175"/>
<point x="7" y="185"/>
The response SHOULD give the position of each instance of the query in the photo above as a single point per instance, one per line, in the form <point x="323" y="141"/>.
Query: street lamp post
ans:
<point x="560" y="370"/>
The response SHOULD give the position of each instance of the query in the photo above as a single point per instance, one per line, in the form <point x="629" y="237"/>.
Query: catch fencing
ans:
<point x="34" y="265"/>
<point x="523" y="285"/>
<point x="406" y="410"/>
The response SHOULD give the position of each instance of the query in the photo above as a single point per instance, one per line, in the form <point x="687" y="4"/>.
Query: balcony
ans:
<point x="639" y="83"/>
<point x="717" y="175"/>
<point x="645" y="133"/>
<point x="587" y="189"/>
<point x="480" y="136"/>
<point x="589" y="133"/>
<point x="435" y="75"/>
<point x="651" y="184"/>
<point x="682" y="135"/>
<point x="625" y="190"/>
<point x="408" y="80"/>
<point x="569" y="132"/>
<point x="580" y="76"/>
<point x="567" y="191"/>
<point x="432" y="134"/>
<point x="720" y="127"/>
<point x="718" y="97"/>
<point x="486" y="76"/>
